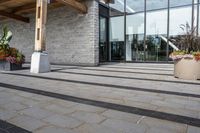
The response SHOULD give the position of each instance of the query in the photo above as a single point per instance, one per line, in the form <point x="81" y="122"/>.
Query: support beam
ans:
<point x="25" y="8"/>
<point x="5" y="1"/>
<point x="14" y="16"/>
<point x="30" y="8"/>
<point x="82" y="8"/>
<point x="39" y="60"/>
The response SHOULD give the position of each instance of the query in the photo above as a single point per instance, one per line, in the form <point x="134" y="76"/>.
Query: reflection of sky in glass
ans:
<point x="156" y="20"/>
<point x="138" y="5"/>
<point x="116" y="29"/>
<point x="118" y="5"/>
<point x="179" y="16"/>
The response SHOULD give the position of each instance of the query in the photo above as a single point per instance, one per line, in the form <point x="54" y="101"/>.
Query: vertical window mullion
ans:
<point x="145" y="28"/>
<point x="168" y="26"/>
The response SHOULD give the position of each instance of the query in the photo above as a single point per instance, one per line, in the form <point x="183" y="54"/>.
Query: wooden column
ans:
<point x="40" y="30"/>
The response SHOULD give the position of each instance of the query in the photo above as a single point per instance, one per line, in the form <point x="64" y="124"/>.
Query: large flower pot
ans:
<point x="187" y="69"/>
<point x="7" y="66"/>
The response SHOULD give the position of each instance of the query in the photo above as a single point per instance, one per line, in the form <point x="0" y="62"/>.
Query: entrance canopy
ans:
<point x="17" y="9"/>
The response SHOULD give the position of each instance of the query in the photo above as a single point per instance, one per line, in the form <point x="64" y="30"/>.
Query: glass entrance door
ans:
<point x="103" y="42"/>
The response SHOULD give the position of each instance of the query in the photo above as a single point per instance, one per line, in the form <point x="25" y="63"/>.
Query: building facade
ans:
<point x="123" y="30"/>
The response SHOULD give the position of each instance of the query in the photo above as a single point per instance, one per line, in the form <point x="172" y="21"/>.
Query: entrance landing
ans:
<point x="111" y="98"/>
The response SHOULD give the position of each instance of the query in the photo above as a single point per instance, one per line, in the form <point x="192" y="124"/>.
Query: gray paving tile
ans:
<point x="94" y="128"/>
<point x="37" y="112"/>
<point x="59" y="109"/>
<point x="27" y="122"/>
<point x="89" y="108"/>
<point x="192" y="129"/>
<point x="165" y="125"/>
<point x="121" y="116"/>
<point x="88" y="117"/>
<point x="63" y="121"/>
<point x="14" y="106"/>
<point x="6" y="114"/>
<point x="124" y="126"/>
<point x="161" y="130"/>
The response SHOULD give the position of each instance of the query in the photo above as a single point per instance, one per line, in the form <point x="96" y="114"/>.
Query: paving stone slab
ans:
<point x="27" y="122"/>
<point x="94" y="128"/>
<point x="37" y="112"/>
<point x="121" y="116"/>
<point x="63" y="121"/>
<point x="88" y="117"/>
<point x="123" y="126"/>
<point x="192" y="129"/>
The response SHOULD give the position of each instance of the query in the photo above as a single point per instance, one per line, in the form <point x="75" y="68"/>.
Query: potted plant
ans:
<point x="187" y="59"/>
<point x="10" y="58"/>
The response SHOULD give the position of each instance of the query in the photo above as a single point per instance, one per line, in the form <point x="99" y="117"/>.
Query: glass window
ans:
<point x="156" y="23"/>
<point x="117" y="46"/>
<point x="178" y="16"/>
<point x="175" y="3"/>
<point x="135" y="30"/>
<point x="156" y="4"/>
<point x="117" y="8"/>
<point x="133" y="6"/>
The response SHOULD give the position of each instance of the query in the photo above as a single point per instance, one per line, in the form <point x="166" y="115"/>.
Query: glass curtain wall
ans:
<point x="145" y="30"/>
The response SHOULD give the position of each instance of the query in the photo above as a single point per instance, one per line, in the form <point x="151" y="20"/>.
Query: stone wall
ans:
<point x="72" y="38"/>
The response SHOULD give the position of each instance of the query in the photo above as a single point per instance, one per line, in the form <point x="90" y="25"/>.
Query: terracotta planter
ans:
<point x="187" y="69"/>
<point x="7" y="66"/>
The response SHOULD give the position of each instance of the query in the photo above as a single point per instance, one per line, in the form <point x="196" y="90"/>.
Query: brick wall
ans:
<point x="72" y="38"/>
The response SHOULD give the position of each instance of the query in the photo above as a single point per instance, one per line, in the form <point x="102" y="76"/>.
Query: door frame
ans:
<point x="104" y="12"/>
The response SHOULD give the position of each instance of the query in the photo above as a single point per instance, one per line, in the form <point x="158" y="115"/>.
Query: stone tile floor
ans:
<point x="111" y="98"/>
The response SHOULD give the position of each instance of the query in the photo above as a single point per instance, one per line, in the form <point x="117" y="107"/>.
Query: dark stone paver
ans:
<point x="6" y="127"/>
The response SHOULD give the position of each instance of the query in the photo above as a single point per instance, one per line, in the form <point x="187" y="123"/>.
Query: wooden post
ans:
<point x="39" y="60"/>
<point x="40" y="30"/>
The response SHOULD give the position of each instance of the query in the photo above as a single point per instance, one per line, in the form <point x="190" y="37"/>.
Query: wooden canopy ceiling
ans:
<point x="15" y="9"/>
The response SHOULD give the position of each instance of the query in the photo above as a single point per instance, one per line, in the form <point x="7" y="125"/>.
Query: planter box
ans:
<point x="187" y="69"/>
<point x="7" y="66"/>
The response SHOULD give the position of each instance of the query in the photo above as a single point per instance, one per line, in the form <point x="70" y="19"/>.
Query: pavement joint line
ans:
<point x="141" y="68"/>
<point x="103" y="75"/>
<point x="110" y="85"/>
<point x="81" y="68"/>
<point x="122" y="72"/>
<point x="123" y="108"/>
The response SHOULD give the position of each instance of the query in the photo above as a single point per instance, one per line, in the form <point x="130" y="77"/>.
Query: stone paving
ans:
<point x="111" y="98"/>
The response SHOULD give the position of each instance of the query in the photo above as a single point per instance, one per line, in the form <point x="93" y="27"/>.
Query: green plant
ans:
<point x="8" y="53"/>
<point x="188" y="43"/>
<point x="6" y="38"/>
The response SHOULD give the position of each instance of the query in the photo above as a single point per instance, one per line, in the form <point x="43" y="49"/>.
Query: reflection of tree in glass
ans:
<point x="189" y="42"/>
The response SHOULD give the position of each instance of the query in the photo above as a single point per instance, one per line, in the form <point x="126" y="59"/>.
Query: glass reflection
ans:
<point x="117" y="30"/>
<point x="156" y="39"/>
<point x="178" y="16"/>
<point x="135" y="30"/>
<point x="135" y="37"/>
